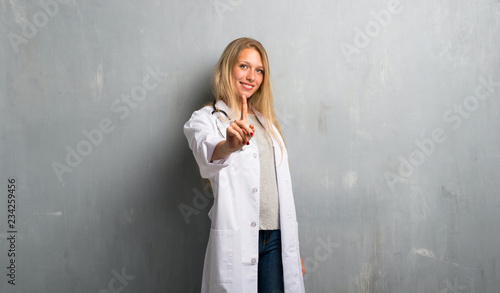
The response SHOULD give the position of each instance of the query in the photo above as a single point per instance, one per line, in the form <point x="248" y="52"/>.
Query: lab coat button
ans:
<point x="254" y="261"/>
<point x="254" y="190"/>
<point x="255" y="155"/>
<point x="253" y="224"/>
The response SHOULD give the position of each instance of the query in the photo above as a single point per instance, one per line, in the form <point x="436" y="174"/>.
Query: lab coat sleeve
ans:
<point x="203" y="136"/>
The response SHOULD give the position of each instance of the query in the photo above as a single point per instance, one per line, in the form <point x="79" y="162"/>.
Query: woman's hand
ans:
<point x="238" y="134"/>
<point x="303" y="269"/>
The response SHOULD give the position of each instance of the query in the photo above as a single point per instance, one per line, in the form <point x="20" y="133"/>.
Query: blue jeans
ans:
<point x="270" y="276"/>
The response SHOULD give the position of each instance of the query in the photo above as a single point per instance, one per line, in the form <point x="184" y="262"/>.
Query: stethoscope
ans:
<point x="218" y="110"/>
<point x="219" y="126"/>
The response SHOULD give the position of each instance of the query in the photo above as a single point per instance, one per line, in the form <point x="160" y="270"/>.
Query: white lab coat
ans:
<point x="231" y="257"/>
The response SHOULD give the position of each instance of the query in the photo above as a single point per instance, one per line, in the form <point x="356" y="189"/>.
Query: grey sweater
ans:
<point x="269" y="206"/>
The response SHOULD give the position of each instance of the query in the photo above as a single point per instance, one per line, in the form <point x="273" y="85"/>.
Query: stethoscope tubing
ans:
<point x="218" y="110"/>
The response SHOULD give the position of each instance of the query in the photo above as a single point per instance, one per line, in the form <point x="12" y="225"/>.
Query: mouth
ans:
<point x="247" y="86"/>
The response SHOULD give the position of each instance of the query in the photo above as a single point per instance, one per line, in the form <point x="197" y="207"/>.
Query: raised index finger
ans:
<point x="244" y="108"/>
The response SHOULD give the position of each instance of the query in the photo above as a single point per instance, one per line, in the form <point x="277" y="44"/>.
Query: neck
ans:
<point x="249" y="111"/>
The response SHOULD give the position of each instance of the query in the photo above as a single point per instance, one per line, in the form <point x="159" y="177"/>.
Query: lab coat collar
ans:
<point x="221" y="105"/>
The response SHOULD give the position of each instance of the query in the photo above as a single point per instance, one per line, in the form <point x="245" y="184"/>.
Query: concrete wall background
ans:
<point x="390" y="112"/>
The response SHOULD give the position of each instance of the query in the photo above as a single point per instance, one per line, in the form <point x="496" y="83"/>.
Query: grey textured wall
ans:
<point x="390" y="111"/>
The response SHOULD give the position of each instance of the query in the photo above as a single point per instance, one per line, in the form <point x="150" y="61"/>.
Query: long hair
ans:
<point x="261" y="100"/>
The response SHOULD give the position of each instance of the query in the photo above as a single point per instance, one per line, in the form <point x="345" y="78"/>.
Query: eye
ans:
<point x="260" y="71"/>
<point x="243" y="66"/>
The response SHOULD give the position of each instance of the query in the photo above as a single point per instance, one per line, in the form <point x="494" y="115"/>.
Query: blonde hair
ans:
<point x="261" y="100"/>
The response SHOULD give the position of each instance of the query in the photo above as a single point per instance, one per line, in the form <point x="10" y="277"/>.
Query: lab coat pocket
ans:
<point x="221" y="249"/>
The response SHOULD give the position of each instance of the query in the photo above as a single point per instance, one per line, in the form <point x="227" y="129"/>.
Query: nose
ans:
<point x="250" y="75"/>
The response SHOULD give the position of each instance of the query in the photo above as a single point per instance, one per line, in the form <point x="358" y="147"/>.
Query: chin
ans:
<point x="247" y="94"/>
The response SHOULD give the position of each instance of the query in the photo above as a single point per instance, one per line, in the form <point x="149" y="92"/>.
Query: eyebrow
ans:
<point x="245" y="61"/>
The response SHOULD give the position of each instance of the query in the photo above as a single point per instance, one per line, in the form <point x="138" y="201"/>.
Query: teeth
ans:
<point x="247" y="86"/>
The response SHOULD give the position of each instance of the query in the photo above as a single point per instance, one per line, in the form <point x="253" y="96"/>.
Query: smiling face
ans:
<point x="248" y="72"/>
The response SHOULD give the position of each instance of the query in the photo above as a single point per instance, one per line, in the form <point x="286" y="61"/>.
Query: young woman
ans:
<point x="237" y="143"/>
